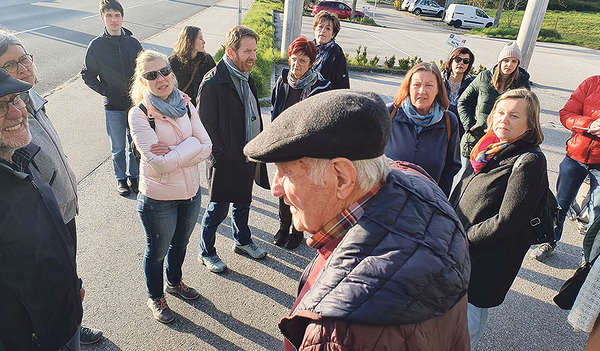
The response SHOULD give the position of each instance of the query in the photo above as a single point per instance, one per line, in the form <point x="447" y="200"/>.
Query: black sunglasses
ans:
<point x="152" y="75"/>
<point x="464" y="60"/>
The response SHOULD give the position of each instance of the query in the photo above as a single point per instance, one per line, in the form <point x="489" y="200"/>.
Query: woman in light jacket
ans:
<point x="476" y="102"/>
<point x="504" y="187"/>
<point x="190" y="62"/>
<point x="296" y="83"/>
<point x="172" y="141"/>
<point x="423" y="131"/>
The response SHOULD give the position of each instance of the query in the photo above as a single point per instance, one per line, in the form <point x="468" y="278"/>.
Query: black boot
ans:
<point x="294" y="239"/>
<point x="281" y="236"/>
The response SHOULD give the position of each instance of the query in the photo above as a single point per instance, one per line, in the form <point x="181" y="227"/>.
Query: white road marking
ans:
<point x="31" y="30"/>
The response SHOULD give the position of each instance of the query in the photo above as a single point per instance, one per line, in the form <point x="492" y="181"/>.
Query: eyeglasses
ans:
<point x="18" y="101"/>
<point x="464" y="60"/>
<point x="13" y="66"/>
<point x="152" y="75"/>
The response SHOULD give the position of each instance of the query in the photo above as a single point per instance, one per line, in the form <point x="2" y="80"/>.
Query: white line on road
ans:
<point x="127" y="8"/>
<point x="396" y="48"/>
<point x="31" y="30"/>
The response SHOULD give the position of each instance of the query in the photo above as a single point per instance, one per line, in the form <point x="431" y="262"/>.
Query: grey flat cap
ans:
<point x="337" y="123"/>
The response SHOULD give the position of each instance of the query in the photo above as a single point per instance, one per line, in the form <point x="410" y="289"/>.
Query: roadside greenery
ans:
<point x="402" y="65"/>
<point x="576" y="28"/>
<point x="260" y="20"/>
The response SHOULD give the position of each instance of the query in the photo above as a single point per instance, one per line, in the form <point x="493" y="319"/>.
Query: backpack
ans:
<point x="546" y="219"/>
<point x="134" y="150"/>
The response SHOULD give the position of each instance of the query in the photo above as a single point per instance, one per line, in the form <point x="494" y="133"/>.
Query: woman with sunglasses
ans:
<point x="190" y="62"/>
<point x="457" y="77"/>
<point x="172" y="141"/>
<point x="476" y="102"/>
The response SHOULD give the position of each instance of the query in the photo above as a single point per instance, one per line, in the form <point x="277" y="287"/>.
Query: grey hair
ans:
<point x="8" y="39"/>
<point x="369" y="172"/>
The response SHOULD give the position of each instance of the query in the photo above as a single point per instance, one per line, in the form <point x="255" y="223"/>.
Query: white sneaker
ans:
<point x="251" y="250"/>
<point x="213" y="263"/>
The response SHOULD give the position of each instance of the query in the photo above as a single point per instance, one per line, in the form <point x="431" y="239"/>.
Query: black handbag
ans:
<point x="570" y="289"/>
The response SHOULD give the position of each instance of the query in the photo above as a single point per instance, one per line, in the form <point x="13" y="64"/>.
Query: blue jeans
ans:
<point x="477" y="318"/>
<point x="571" y="174"/>
<point x="168" y="226"/>
<point x="117" y="129"/>
<point x="214" y="215"/>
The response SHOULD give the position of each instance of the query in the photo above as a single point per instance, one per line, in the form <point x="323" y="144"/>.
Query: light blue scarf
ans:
<point x="435" y="114"/>
<point x="172" y="107"/>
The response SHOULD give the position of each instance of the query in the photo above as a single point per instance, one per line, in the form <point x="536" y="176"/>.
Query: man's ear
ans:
<point x="229" y="52"/>
<point x="345" y="173"/>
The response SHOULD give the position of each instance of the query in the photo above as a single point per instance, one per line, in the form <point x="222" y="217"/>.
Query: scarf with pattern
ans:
<point x="305" y="82"/>
<point x="488" y="146"/>
<point x="245" y="86"/>
<point x="323" y="52"/>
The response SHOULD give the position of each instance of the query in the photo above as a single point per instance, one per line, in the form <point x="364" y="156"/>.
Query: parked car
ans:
<point x="426" y="7"/>
<point x="342" y="10"/>
<point x="467" y="16"/>
<point x="406" y="4"/>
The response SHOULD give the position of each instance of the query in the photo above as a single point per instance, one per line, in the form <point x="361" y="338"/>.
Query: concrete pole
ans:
<point x="239" y="12"/>
<point x="530" y="28"/>
<point x="292" y="23"/>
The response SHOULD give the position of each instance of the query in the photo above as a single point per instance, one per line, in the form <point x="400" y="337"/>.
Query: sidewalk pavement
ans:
<point x="240" y="309"/>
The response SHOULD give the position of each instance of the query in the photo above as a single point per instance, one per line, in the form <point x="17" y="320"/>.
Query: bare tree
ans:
<point x="498" y="13"/>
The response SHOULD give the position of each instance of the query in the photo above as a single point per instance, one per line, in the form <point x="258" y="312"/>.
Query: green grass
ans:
<point x="576" y="28"/>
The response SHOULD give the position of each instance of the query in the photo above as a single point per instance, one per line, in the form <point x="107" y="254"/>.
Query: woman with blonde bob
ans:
<point x="504" y="187"/>
<point x="172" y="141"/>
<point x="423" y="131"/>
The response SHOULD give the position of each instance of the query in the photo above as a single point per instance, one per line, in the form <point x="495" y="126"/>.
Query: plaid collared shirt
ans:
<point x="341" y="223"/>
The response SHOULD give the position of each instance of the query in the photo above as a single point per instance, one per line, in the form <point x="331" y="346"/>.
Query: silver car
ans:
<point x="426" y="7"/>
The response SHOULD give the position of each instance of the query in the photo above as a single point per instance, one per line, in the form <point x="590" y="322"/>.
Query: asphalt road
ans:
<point x="57" y="32"/>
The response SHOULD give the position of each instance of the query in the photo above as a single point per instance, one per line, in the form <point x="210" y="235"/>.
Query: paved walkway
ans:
<point x="239" y="310"/>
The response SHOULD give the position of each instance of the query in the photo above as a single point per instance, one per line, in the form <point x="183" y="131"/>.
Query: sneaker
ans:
<point x="182" y="290"/>
<point x="160" y="309"/>
<point x="281" y="237"/>
<point x="123" y="188"/>
<point x="134" y="185"/>
<point x="88" y="336"/>
<point x="294" y="240"/>
<point x="251" y="250"/>
<point x="213" y="263"/>
<point x="542" y="252"/>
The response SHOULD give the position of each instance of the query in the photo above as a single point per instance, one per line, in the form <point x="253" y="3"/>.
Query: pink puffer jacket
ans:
<point x="174" y="176"/>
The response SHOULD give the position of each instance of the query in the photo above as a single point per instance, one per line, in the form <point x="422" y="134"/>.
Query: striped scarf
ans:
<point x="305" y="82"/>
<point x="323" y="52"/>
<point x="488" y="146"/>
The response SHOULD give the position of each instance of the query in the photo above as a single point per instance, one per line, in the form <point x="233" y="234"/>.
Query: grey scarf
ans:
<point x="172" y="107"/>
<point x="243" y="77"/>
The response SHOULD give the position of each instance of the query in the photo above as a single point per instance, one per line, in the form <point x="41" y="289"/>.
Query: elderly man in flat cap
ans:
<point x="39" y="288"/>
<point x="392" y="267"/>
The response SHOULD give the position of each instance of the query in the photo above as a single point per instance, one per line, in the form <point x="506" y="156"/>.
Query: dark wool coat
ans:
<point x="405" y="262"/>
<point x="476" y="103"/>
<point x="495" y="207"/>
<point x="429" y="149"/>
<point x="109" y="66"/>
<point x="282" y="88"/>
<point x="335" y="69"/>
<point x="184" y="73"/>
<point x="39" y="287"/>
<point x="222" y="113"/>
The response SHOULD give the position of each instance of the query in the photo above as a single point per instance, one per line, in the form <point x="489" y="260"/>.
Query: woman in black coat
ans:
<point x="297" y="83"/>
<point x="330" y="60"/>
<point x="190" y="62"/>
<point x="504" y="187"/>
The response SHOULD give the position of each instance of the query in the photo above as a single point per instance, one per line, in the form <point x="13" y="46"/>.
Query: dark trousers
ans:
<point x="285" y="215"/>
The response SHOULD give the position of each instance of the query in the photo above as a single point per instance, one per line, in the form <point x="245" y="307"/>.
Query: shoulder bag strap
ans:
<point x="145" y="111"/>
<point x="447" y="125"/>
<point x="192" y="76"/>
<point x="394" y="111"/>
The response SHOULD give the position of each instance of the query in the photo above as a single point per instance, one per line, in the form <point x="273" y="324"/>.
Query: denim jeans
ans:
<point x="477" y="318"/>
<point x="571" y="174"/>
<point x="74" y="343"/>
<point x="214" y="215"/>
<point x="168" y="226"/>
<point x="117" y="129"/>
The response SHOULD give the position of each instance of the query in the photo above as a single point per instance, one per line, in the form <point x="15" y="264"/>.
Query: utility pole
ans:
<point x="292" y="23"/>
<point x="239" y="12"/>
<point x="530" y="28"/>
<point x="498" y="14"/>
<point x="353" y="9"/>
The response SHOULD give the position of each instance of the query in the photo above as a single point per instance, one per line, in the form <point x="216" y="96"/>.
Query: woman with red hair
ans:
<point x="296" y="83"/>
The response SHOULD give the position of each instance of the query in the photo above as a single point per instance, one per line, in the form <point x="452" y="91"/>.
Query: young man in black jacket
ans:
<point x="39" y="287"/>
<point x="108" y="69"/>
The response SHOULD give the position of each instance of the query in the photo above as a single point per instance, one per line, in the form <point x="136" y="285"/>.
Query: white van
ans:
<point x="467" y="16"/>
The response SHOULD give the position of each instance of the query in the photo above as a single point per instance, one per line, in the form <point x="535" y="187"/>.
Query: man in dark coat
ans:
<point x="392" y="264"/>
<point x="39" y="287"/>
<point x="108" y="68"/>
<point x="230" y="112"/>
